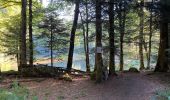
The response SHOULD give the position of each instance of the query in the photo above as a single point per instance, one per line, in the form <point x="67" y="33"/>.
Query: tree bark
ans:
<point x="98" y="59"/>
<point x="30" y="34"/>
<point x="72" y="37"/>
<point x="162" y="63"/>
<point x="163" y="55"/>
<point x="150" y="38"/>
<point x="122" y="20"/>
<point x="87" y="40"/>
<point x="51" y="41"/>
<point x="23" y="60"/>
<point x="111" y="38"/>
<point x="141" y="14"/>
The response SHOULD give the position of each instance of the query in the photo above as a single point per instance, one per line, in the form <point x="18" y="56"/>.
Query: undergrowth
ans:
<point x="16" y="92"/>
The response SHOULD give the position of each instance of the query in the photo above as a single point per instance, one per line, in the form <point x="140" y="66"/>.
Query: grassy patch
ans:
<point x="60" y="97"/>
<point x="16" y="92"/>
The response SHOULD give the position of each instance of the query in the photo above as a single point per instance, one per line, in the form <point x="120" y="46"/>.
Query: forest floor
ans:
<point x="125" y="86"/>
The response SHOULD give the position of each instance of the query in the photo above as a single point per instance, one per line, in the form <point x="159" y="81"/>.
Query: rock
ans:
<point x="132" y="69"/>
<point x="66" y="77"/>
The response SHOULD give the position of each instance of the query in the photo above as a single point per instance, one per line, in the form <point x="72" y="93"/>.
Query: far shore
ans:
<point x="46" y="61"/>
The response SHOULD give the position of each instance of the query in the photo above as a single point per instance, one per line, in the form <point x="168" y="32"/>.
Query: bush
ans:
<point x="16" y="92"/>
<point x="162" y="95"/>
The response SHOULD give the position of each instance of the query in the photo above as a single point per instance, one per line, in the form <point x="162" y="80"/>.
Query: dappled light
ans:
<point x="84" y="50"/>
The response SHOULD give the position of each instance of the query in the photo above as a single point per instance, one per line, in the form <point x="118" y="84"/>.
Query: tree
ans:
<point x="87" y="40"/>
<point x="54" y="32"/>
<point x="111" y="38"/>
<point x="23" y="60"/>
<point x="72" y="36"/>
<point x="141" y="25"/>
<point x="163" y="54"/>
<point x="30" y="34"/>
<point x="150" y="35"/>
<point x="122" y="20"/>
<point x="98" y="56"/>
<point x="9" y="40"/>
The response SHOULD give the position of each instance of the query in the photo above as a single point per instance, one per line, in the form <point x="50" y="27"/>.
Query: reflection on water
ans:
<point x="81" y="64"/>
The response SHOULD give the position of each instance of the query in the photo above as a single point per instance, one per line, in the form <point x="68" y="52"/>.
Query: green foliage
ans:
<point x="165" y="93"/>
<point x="53" y="32"/>
<point x="16" y="92"/>
<point x="10" y="38"/>
<point x="162" y="95"/>
<point x="60" y="98"/>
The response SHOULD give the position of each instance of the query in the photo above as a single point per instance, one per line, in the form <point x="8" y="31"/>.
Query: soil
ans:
<point x="125" y="86"/>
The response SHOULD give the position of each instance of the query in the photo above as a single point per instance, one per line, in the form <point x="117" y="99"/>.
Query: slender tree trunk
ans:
<point x="98" y="59"/>
<point x="141" y="14"/>
<point x="87" y="40"/>
<point x="51" y="42"/>
<point x="150" y="38"/>
<point x="122" y="32"/>
<point x="30" y="34"/>
<point x="84" y="38"/>
<point x="23" y="60"/>
<point x="111" y="38"/>
<point x="72" y="37"/>
<point x="121" y="35"/>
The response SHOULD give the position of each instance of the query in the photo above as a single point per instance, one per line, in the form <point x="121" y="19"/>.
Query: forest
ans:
<point x="84" y="49"/>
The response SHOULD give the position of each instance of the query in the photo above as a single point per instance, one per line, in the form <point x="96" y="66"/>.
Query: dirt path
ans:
<point x="127" y="86"/>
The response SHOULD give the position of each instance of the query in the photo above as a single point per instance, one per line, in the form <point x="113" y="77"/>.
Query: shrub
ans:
<point x="162" y="95"/>
<point x="16" y="92"/>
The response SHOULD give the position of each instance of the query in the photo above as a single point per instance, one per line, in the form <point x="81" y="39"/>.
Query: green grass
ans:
<point x="16" y="92"/>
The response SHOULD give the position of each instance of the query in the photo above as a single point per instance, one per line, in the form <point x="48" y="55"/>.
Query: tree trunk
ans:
<point x="163" y="56"/>
<point x="23" y="60"/>
<point x="150" y="39"/>
<point x="84" y="39"/>
<point x="111" y="38"/>
<point x="141" y="14"/>
<point x="98" y="59"/>
<point x="87" y="40"/>
<point x="162" y="63"/>
<point x="72" y="37"/>
<point x="30" y="34"/>
<point x="122" y="20"/>
<point x="51" y="41"/>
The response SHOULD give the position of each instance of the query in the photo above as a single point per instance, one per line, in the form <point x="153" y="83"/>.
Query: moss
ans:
<point x="93" y="76"/>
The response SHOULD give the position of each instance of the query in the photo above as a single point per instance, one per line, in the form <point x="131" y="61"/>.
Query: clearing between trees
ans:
<point x="125" y="86"/>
